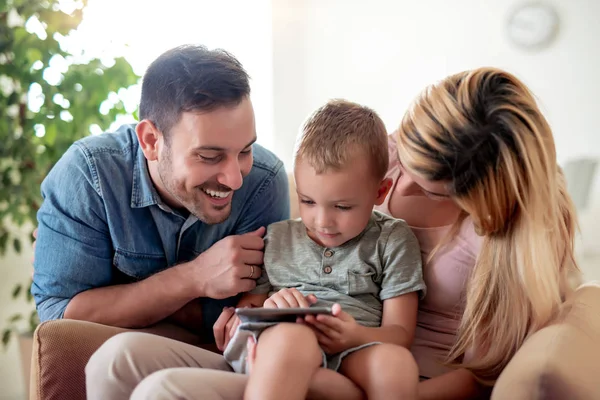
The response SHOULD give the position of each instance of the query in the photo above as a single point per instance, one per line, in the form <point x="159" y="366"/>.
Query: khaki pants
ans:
<point x="144" y="366"/>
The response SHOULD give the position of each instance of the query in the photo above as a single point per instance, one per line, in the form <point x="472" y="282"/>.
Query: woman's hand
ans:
<point x="289" y="298"/>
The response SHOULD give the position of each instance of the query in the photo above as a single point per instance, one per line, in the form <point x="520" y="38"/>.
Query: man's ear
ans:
<point x="149" y="137"/>
<point x="384" y="189"/>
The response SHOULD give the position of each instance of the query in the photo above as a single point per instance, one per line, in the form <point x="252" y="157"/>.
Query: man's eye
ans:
<point x="207" y="159"/>
<point x="309" y="202"/>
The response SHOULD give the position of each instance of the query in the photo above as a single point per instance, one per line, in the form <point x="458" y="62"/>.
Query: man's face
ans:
<point x="205" y="160"/>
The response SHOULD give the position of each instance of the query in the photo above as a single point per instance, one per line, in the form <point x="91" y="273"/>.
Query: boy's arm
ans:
<point x="402" y="280"/>
<point x="398" y="322"/>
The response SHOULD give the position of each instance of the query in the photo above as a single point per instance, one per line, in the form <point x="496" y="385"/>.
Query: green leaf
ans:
<point x="6" y="337"/>
<point x="3" y="240"/>
<point x="33" y="55"/>
<point x="29" y="295"/>
<point x="16" y="317"/>
<point x="17" y="245"/>
<point x="34" y="321"/>
<point x="26" y="154"/>
<point x="17" y="291"/>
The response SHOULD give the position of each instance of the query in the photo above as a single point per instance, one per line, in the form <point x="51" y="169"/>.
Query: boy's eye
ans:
<point x="246" y="152"/>
<point x="310" y="202"/>
<point x="344" y="208"/>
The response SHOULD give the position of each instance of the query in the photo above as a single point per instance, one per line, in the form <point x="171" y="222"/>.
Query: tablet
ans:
<point x="261" y="314"/>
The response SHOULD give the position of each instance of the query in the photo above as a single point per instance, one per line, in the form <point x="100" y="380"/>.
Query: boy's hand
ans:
<point x="289" y="298"/>
<point x="335" y="333"/>
<point x="225" y="327"/>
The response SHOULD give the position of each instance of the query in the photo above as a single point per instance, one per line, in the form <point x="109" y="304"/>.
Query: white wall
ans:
<point x="383" y="53"/>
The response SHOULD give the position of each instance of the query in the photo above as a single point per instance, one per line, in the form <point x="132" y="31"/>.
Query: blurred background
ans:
<point x="71" y="68"/>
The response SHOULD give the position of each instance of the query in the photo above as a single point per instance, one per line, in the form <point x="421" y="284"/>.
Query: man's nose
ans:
<point x="231" y="175"/>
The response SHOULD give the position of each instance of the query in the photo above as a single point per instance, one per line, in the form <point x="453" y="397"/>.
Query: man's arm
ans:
<point x="268" y="204"/>
<point x="219" y="272"/>
<point x="73" y="260"/>
<point x="138" y="304"/>
<point x="74" y="256"/>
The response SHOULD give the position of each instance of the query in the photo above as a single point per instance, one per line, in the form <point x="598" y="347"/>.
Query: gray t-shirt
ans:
<point x="384" y="261"/>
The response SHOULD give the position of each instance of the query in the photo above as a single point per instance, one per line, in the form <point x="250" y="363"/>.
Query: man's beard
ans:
<point x="192" y="203"/>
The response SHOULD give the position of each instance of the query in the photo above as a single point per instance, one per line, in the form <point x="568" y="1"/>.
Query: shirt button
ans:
<point x="327" y="269"/>
<point x="328" y="253"/>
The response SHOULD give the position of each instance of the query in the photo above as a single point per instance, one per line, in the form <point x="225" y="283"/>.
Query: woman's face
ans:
<point x="409" y="184"/>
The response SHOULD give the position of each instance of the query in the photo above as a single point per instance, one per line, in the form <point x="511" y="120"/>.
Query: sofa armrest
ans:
<point x="561" y="361"/>
<point x="62" y="348"/>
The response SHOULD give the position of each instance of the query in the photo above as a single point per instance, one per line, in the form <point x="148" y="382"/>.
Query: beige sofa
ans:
<point x="561" y="361"/>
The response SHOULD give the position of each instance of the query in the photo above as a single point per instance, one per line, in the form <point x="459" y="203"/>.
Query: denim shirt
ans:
<point x="103" y="223"/>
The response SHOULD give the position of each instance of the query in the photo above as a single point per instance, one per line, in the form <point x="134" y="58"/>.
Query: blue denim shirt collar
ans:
<point x="143" y="193"/>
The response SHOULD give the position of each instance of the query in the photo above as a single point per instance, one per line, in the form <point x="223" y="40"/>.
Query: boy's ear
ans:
<point x="149" y="139"/>
<point x="382" y="192"/>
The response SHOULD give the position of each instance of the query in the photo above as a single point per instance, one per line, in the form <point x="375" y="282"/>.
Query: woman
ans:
<point x="475" y="174"/>
<point x="474" y="154"/>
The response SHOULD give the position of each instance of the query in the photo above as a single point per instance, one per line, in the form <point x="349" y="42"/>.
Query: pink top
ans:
<point x="446" y="276"/>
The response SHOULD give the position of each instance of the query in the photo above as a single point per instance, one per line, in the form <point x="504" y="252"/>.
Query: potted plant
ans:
<point x="43" y="116"/>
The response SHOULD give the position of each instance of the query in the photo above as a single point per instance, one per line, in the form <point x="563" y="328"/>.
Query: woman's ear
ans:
<point x="149" y="139"/>
<point x="382" y="192"/>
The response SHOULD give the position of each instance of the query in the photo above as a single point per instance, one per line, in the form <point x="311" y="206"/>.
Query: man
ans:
<point x="164" y="219"/>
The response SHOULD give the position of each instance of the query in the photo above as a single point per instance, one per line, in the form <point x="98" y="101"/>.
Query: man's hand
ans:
<point x="230" y="266"/>
<point x="336" y="332"/>
<point x="289" y="298"/>
<point x="225" y="327"/>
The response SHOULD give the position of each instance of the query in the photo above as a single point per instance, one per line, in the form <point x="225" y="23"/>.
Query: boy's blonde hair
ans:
<point x="339" y="130"/>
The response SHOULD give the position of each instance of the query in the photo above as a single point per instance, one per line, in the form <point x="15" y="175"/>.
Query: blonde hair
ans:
<point x="339" y="130"/>
<point x="482" y="132"/>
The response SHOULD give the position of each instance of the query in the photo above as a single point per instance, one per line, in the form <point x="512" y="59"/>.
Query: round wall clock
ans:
<point x="533" y="25"/>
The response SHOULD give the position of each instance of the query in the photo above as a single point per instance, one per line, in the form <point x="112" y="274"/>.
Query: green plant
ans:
<point x="19" y="323"/>
<point x="43" y="115"/>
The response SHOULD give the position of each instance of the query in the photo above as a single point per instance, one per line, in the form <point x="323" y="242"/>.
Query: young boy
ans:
<point x="341" y="254"/>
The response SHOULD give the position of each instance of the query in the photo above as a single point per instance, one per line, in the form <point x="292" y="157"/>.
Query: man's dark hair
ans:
<point x="190" y="78"/>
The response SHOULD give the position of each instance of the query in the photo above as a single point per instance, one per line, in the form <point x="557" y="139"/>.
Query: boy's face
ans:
<point x="335" y="206"/>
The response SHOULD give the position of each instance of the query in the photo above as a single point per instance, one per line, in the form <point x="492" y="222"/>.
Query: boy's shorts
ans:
<point x="236" y="353"/>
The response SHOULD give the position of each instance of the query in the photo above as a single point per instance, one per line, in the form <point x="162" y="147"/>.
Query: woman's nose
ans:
<point x="407" y="187"/>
